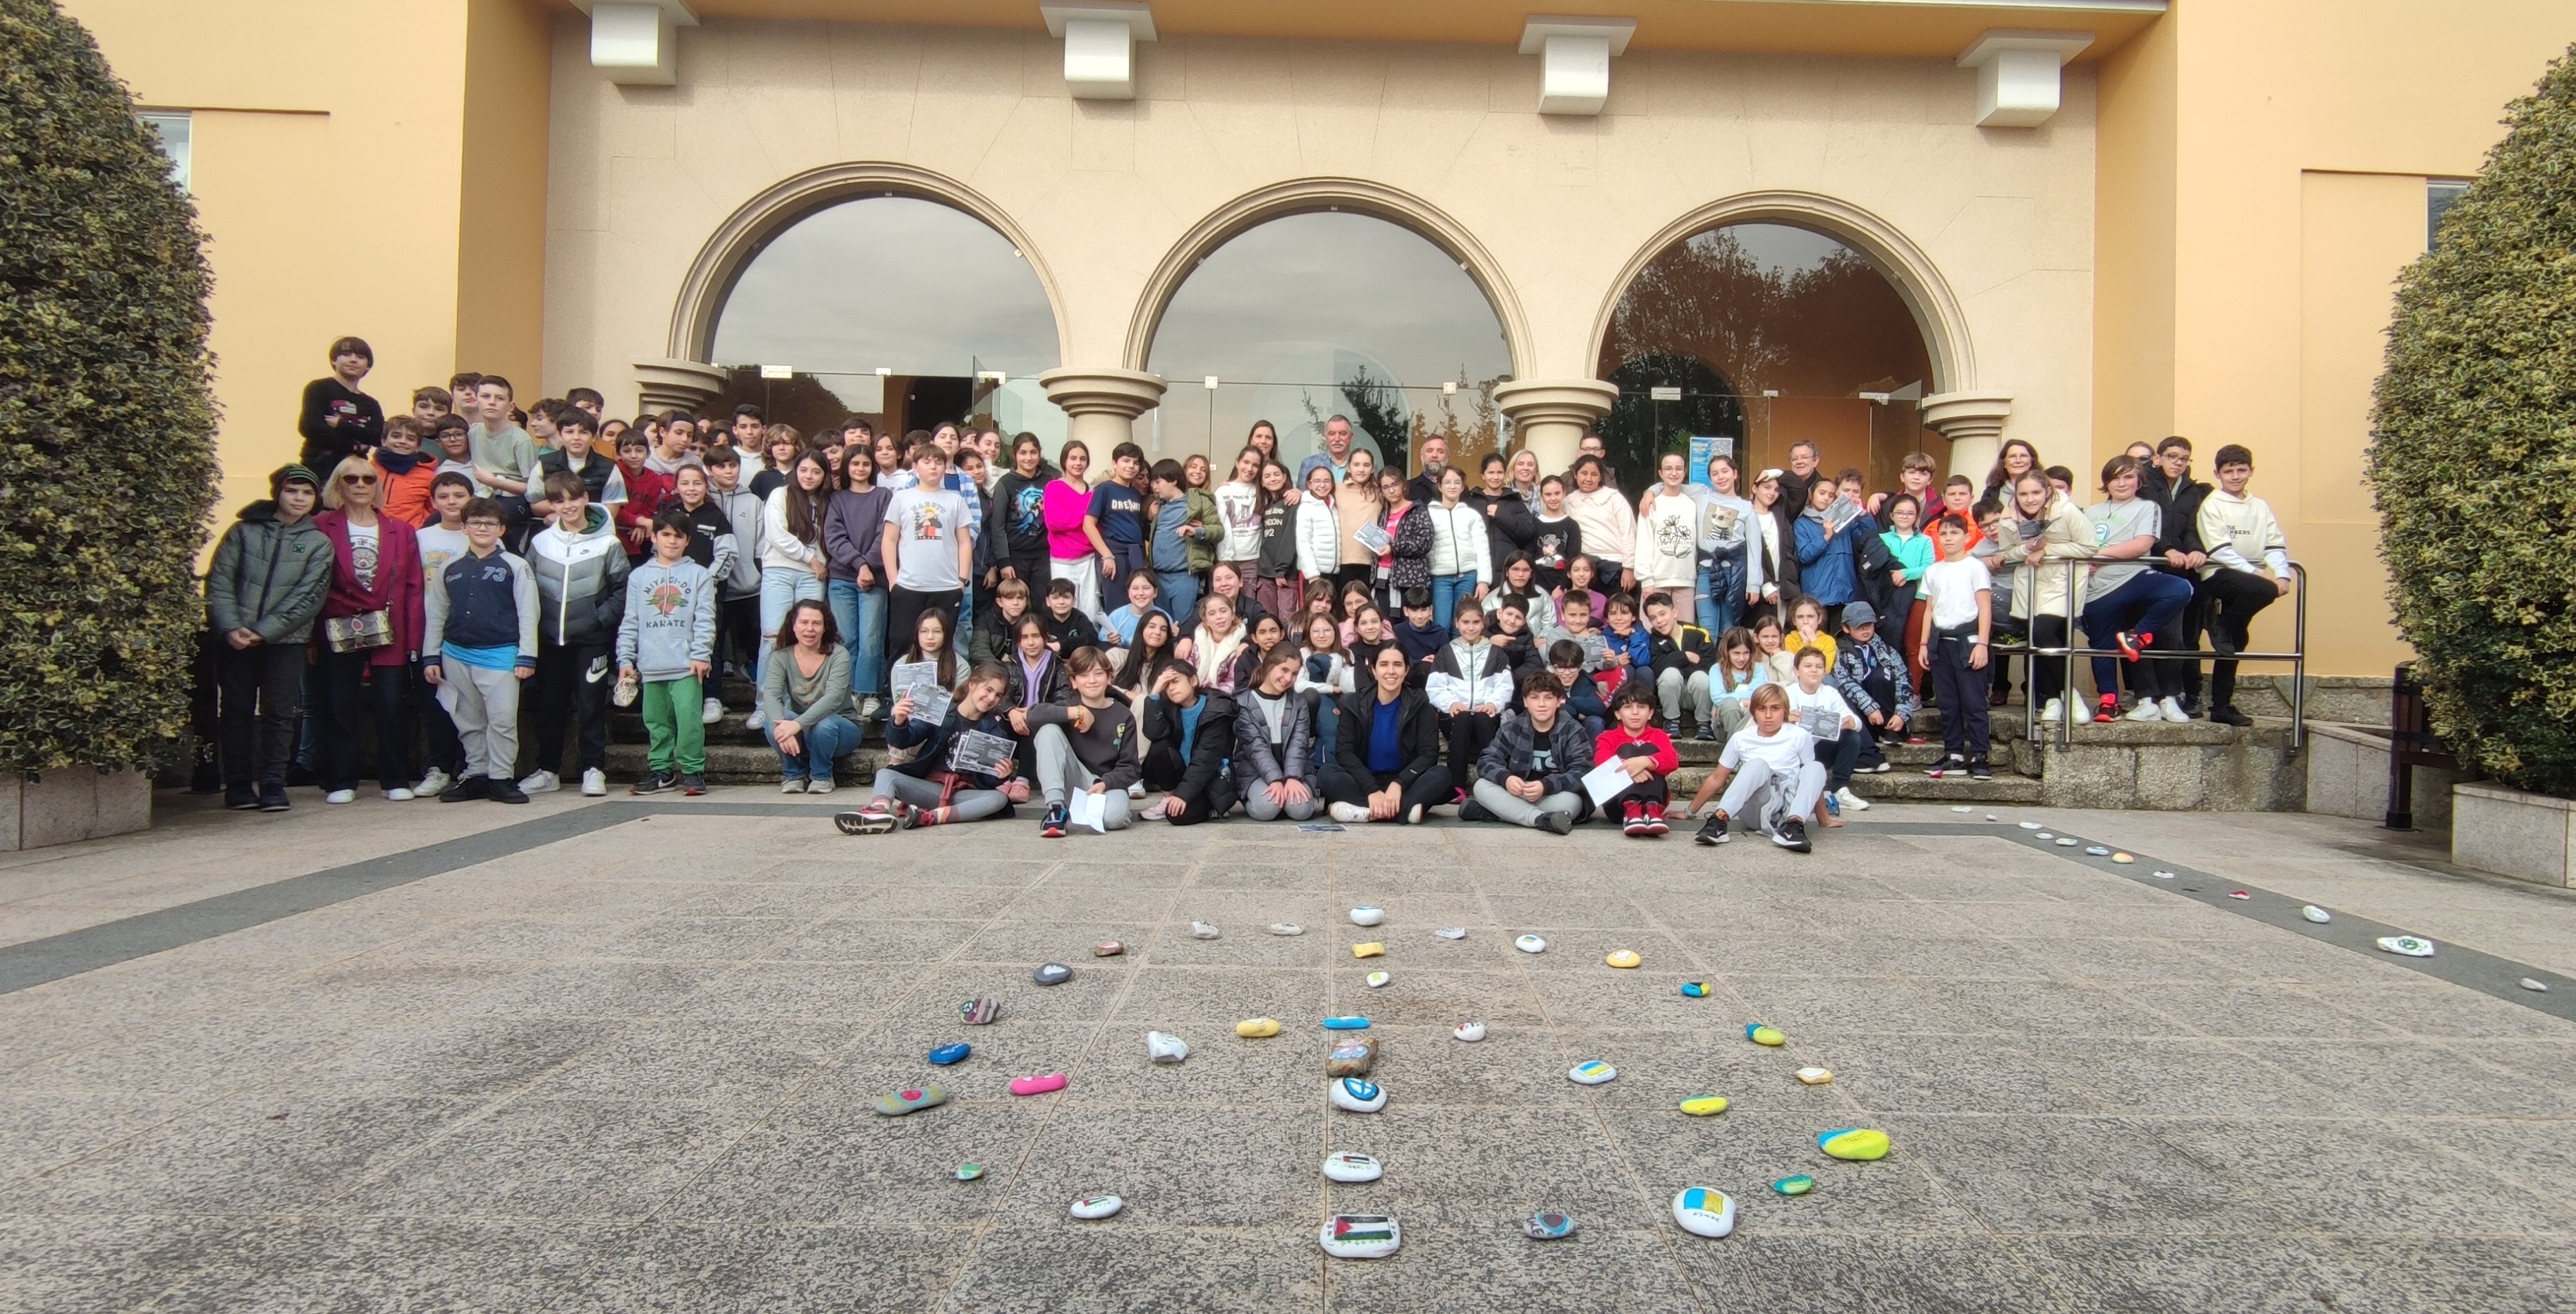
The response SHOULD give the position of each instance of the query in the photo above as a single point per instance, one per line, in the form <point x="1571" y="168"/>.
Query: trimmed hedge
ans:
<point x="2473" y="463"/>
<point x="107" y="414"/>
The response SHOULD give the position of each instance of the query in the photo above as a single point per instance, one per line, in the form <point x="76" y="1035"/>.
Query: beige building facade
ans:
<point x="2073" y="222"/>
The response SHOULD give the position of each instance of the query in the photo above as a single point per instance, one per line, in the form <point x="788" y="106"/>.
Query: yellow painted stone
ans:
<point x="1623" y="958"/>
<point x="1370" y="950"/>
<point x="1700" y="1106"/>
<point x="1815" y="1076"/>
<point x="1256" y="1028"/>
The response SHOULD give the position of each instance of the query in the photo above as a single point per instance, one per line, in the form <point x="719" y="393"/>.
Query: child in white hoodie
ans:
<point x="2239" y="531"/>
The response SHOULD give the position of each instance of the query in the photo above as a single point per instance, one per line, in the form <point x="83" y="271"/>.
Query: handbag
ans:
<point x="372" y="629"/>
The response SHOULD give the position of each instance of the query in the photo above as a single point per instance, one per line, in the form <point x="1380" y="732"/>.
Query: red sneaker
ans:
<point x="1635" y="822"/>
<point x="1655" y="823"/>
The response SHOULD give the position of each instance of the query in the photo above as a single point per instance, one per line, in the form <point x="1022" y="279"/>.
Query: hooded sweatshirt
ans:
<point x="581" y="581"/>
<point x="669" y="619"/>
<point x="744" y="509"/>
<point x="268" y="577"/>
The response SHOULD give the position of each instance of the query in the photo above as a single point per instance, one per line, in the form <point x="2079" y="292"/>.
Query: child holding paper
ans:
<point x="953" y="774"/>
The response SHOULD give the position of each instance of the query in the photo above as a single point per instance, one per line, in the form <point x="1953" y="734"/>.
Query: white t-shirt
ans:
<point x="438" y="546"/>
<point x="2118" y="522"/>
<point x="1820" y="713"/>
<point x="926" y="527"/>
<point x="1784" y="752"/>
<point x="1952" y="588"/>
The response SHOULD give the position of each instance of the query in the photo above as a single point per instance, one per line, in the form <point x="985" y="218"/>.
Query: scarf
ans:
<point x="1216" y="657"/>
<point x="396" y="463"/>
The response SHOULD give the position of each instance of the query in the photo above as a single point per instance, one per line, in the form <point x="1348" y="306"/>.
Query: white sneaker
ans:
<point x="2172" y="708"/>
<point x="398" y="794"/>
<point x="594" y="783"/>
<point x="1349" y="813"/>
<point x="869" y="708"/>
<point x="754" y="721"/>
<point x="433" y="784"/>
<point x="540" y="782"/>
<point x="2056" y="708"/>
<point x="1851" y="802"/>
<point x="818" y="787"/>
<point x="711" y="711"/>
<point x="341" y="796"/>
<point x="2146" y="710"/>
<point x="792" y="785"/>
<point x="2083" y="714"/>
<point x="1136" y="791"/>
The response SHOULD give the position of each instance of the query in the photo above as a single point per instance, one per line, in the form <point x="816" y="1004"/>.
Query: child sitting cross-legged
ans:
<point x="943" y="782"/>
<point x="1646" y="753"/>
<point x="1531" y="774"/>
<point x="1189" y="735"/>
<point x="1768" y="768"/>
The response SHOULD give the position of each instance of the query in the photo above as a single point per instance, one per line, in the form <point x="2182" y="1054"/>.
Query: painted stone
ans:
<point x="1530" y="944"/>
<point x="1052" y="974"/>
<point x="910" y="1100"/>
<point x="947" y="1054"/>
<point x="2412" y="946"/>
<point x="1623" y="958"/>
<point x="1097" y="1206"/>
<point x="1701" y="1106"/>
<point x="1372" y="949"/>
<point x="1794" y="1184"/>
<point x="1347" y="1168"/>
<point x="1854" y="1143"/>
<point x="967" y="1172"/>
<point x="1361" y="1236"/>
<point x="1162" y="1048"/>
<point x="1376" y="980"/>
<point x="1346" y="1024"/>
<point x="1762" y="1034"/>
<point x="1107" y="949"/>
<point x="1202" y="931"/>
<point x="1471" y="1032"/>
<point x="1815" y="1076"/>
<point x="1257" y="1028"/>
<point x="1591" y="1072"/>
<point x="1367" y="915"/>
<point x="1037" y="1085"/>
<point x="1351" y="1057"/>
<point x="1451" y="933"/>
<point x="2315" y="914"/>
<point x="979" y="1012"/>
<point x="1703" y="1212"/>
<point x="1695" y="989"/>
<point x="1356" y="1096"/>
<point x="1548" y="1225"/>
<point x="1286" y="928"/>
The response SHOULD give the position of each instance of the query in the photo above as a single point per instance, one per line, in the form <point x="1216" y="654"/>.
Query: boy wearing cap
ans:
<point x="1873" y="679"/>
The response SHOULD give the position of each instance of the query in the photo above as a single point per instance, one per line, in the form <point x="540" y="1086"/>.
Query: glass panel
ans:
<point x="1313" y="315"/>
<point x="1769" y="334"/>
<point x="888" y="282"/>
<point x="818" y="401"/>
<point x="2438" y="195"/>
<point x="174" y="128"/>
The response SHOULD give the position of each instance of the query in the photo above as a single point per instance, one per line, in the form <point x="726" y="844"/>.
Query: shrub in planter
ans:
<point x="2473" y="462"/>
<point x="106" y="413"/>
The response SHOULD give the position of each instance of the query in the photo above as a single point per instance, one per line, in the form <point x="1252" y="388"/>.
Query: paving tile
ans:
<point x="255" y="1155"/>
<point x="569" y="1160"/>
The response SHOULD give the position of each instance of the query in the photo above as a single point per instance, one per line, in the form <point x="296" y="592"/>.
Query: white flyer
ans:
<point x="1085" y="808"/>
<point x="1606" y="781"/>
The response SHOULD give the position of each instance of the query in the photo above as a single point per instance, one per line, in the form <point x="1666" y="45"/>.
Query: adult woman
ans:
<point x="2130" y="606"/>
<point x="1066" y="503"/>
<point x="1387" y="759"/>
<point x="805" y="699"/>
<point x="1357" y="506"/>
<point x="1239" y="504"/>
<point x="1406" y="563"/>
<point x="1470" y="687"/>
<point x="1520" y="582"/>
<point x="1088" y="745"/>
<point x="1508" y="519"/>
<point x="855" y="585"/>
<point x="1725" y="519"/>
<point x="1828" y="569"/>
<point x="1609" y="526"/>
<point x="263" y="589"/>
<point x="1771" y="565"/>
<point x="1525" y="478"/>
<point x="1462" y="547"/>
<point x="1263" y="437"/>
<point x="1019" y="505"/>
<point x="1274" y="743"/>
<point x="792" y="564"/>
<point x="371" y="629"/>
<point x="2015" y="459"/>
<point x="2040" y="592"/>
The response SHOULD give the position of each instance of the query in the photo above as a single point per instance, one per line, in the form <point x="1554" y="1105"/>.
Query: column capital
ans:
<point x="1974" y="424"/>
<point x="1549" y="416"/>
<point x="1124" y="394"/>
<point x="665" y="385"/>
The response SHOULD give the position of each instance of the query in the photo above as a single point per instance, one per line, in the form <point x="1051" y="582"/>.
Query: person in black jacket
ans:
<point x="1015" y="515"/>
<point x="1274" y="741"/>
<point x="269" y="579"/>
<point x="2167" y="482"/>
<point x="1510" y="525"/>
<point x="338" y="421"/>
<point x="1031" y="672"/>
<point x="1189" y="735"/>
<point x="1388" y="746"/>
<point x="939" y="785"/>
<point x="1532" y="773"/>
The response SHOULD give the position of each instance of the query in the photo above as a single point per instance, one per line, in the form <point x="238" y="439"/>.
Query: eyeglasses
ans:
<point x="357" y="479"/>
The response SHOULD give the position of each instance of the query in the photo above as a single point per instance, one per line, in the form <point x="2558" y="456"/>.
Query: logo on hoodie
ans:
<point x="666" y="597"/>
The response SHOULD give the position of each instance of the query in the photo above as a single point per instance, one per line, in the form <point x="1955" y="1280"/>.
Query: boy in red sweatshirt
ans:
<point x="1647" y="755"/>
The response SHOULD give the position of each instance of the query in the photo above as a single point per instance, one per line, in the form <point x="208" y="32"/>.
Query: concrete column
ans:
<point x="1974" y="424"/>
<point x="1102" y="405"/>
<point x="664" y="385"/>
<point x="1550" y="416"/>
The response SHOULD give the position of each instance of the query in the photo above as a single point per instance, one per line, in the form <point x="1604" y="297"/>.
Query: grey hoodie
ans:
<point x="743" y="508"/>
<point x="581" y="581"/>
<point x="670" y="619"/>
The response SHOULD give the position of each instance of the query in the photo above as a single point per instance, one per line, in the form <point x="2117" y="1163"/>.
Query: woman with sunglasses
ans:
<point x="370" y="630"/>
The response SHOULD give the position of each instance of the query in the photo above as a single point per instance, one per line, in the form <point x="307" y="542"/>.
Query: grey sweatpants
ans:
<point x="484" y="704"/>
<point x="1058" y="769"/>
<point x="1672" y="684"/>
<point x="1257" y="804"/>
<point x="1507" y="806"/>
<point x="1781" y="796"/>
<point x="967" y="804"/>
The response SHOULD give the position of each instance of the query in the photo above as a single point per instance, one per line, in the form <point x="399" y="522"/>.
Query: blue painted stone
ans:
<point x="947" y="1054"/>
<point x="1346" y="1024"/>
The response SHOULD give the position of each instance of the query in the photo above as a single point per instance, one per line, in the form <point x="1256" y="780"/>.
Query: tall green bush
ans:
<point x="2473" y="466"/>
<point x="106" y="411"/>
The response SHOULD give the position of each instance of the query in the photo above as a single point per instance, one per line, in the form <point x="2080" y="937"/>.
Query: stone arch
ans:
<point x="1310" y="194"/>
<point x="775" y="208"/>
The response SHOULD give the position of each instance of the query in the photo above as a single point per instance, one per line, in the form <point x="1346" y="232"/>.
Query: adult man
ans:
<point x="337" y="420"/>
<point x="1336" y="453"/>
<point x="504" y="454"/>
<point x="1424" y="488"/>
<point x="2167" y="482"/>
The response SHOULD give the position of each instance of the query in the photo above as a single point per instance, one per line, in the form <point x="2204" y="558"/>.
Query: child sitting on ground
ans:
<point x="1647" y="755"/>
<point x="1532" y="773"/>
<point x="1189" y="736"/>
<point x="1818" y="709"/>
<point x="1770" y="768"/>
<point x="944" y="780"/>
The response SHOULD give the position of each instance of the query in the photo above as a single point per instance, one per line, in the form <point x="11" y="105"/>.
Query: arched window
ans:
<point x="896" y="308"/>
<point x="1766" y="334"/>
<point x="1326" y="313"/>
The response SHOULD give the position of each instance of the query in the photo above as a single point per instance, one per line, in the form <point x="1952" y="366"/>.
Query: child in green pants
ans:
<point x="667" y="640"/>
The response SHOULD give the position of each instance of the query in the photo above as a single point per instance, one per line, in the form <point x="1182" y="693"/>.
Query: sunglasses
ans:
<point x="357" y="479"/>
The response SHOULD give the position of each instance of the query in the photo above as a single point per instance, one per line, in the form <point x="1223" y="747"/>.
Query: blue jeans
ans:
<point x="2151" y="602"/>
<point x="780" y="589"/>
<point x="860" y="615"/>
<point x="1446" y="590"/>
<point x="1180" y="596"/>
<point x="1721" y="593"/>
<point x="823" y="742"/>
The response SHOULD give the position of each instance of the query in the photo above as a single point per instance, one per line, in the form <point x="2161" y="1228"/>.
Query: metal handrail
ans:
<point x="2297" y="657"/>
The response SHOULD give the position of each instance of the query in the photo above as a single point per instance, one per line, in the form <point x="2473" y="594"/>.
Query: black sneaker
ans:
<point x="1707" y="734"/>
<point x="1978" y="770"/>
<point x="654" y="782"/>
<point x="1792" y="835"/>
<point x="1716" y="830"/>
<point x="2190" y="704"/>
<point x="506" y="791"/>
<point x="272" y="798"/>
<point x="2226" y="714"/>
<point x="240" y="798"/>
<point x="466" y="789"/>
<point x="1053" y="826"/>
<point x="1471" y="810"/>
<point x="1672" y="727"/>
<point x="693" y="784"/>
<point x="2221" y="644"/>
<point x="1556" y="823"/>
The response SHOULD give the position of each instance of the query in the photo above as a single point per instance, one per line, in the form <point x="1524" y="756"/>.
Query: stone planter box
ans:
<point x="76" y="804"/>
<point x="2348" y="777"/>
<point x="2506" y="832"/>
